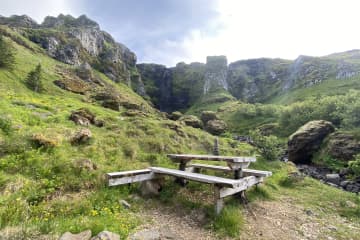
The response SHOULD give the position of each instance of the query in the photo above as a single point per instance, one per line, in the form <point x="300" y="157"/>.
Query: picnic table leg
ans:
<point x="219" y="202"/>
<point x="241" y="195"/>
<point x="182" y="167"/>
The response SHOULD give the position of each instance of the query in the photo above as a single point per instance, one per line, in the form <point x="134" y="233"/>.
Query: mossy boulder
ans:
<point x="207" y="116"/>
<point x="40" y="140"/>
<point x="175" y="115"/>
<point x="192" y="121"/>
<point x="84" y="72"/>
<point x="342" y="146"/>
<point x="83" y="136"/>
<point x="85" y="117"/>
<point x="216" y="126"/>
<point x="307" y="140"/>
<point x="82" y="116"/>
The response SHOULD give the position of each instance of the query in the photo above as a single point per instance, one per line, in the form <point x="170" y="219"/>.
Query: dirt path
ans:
<point x="285" y="220"/>
<point x="280" y="220"/>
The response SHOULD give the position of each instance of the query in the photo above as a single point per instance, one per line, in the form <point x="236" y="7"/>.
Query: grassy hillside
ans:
<point x="44" y="189"/>
<point x="331" y="87"/>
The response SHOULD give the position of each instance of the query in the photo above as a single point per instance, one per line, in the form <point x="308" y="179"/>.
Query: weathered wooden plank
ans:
<point x="189" y="157"/>
<point x="131" y="179"/>
<point x="196" y="176"/>
<point x="246" y="172"/>
<point x="127" y="173"/>
<point x="257" y="173"/>
<point x="211" y="167"/>
<point x="243" y="184"/>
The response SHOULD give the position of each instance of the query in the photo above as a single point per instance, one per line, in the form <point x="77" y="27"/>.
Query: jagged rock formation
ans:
<point x="78" y="40"/>
<point x="216" y="73"/>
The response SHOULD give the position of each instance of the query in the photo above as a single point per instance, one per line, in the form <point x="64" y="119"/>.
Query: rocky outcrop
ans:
<point x="75" y="41"/>
<point x="216" y="127"/>
<point x="85" y="117"/>
<point x="192" y="121"/>
<point x="342" y="146"/>
<point x="175" y="115"/>
<point x="307" y="140"/>
<point x="207" y="116"/>
<point x="19" y="21"/>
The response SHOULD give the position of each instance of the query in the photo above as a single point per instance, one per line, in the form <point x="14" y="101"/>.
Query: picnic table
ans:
<point x="244" y="178"/>
<point x="236" y="164"/>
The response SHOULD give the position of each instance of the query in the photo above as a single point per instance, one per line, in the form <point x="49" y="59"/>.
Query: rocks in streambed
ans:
<point x="327" y="176"/>
<point x="333" y="178"/>
<point x="307" y="140"/>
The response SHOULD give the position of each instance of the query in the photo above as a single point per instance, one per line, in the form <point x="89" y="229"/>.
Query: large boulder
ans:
<point x="216" y="127"/>
<point x="343" y="146"/>
<point x="307" y="140"/>
<point x="207" y="116"/>
<point x="192" y="121"/>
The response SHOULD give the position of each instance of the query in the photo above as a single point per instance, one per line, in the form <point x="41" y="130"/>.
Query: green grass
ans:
<point x="330" y="87"/>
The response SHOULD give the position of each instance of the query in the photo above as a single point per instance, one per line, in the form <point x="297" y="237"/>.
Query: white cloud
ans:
<point x="38" y="9"/>
<point x="277" y="28"/>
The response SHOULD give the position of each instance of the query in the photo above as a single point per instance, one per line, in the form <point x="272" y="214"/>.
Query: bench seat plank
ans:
<point x="127" y="173"/>
<point x="196" y="177"/>
<point x="245" y="171"/>
<point x="131" y="179"/>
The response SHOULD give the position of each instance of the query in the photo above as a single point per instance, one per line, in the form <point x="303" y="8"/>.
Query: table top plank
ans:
<point x="230" y="159"/>
<point x="196" y="176"/>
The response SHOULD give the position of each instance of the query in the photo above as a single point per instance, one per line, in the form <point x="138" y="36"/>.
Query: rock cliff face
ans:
<point x="216" y="73"/>
<point x="254" y="80"/>
<point x="173" y="88"/>
<point x="78" y="40"/>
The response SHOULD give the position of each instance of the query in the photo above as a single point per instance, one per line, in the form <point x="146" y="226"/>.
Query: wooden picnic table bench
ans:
<point x="223" y="186"/>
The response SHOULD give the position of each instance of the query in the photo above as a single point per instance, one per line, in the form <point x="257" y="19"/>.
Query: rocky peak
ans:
<point x="69" y="21"/>
<point x="216" y="73"/>
<point x="19" y="21"/>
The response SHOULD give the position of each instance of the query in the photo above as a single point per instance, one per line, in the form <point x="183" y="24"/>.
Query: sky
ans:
<point x="171" y="31"/>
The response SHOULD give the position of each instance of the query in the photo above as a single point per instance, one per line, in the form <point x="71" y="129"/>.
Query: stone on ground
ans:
<point x="85" y="235"/>
<point x="106" y="235"/>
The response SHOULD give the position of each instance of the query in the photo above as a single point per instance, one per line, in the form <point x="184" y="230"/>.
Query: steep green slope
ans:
<point x="45" y="189"/>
